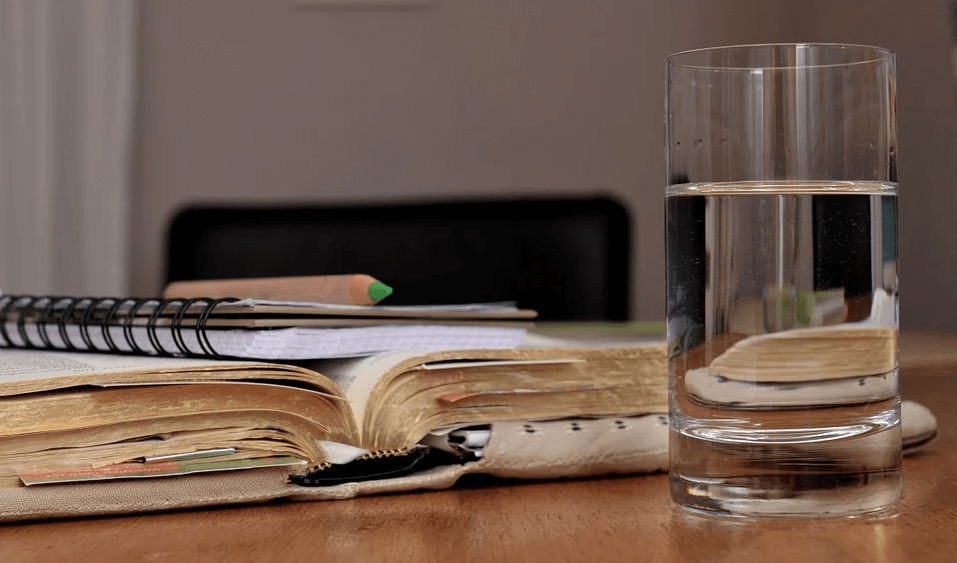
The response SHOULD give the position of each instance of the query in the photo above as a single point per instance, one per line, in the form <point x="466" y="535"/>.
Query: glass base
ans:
<point x="790" y="497"/>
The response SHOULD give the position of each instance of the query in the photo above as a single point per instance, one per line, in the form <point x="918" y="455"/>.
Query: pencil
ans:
<point x="343" y="289"/>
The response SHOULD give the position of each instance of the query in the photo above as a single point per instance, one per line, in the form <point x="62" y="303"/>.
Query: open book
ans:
<point x="87" y="424"/>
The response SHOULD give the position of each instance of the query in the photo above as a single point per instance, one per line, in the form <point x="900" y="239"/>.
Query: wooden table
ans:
<point x="619" y="519"/>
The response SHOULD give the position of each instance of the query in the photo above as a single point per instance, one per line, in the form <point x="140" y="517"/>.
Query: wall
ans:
<point x="917" y="30"/>
<point x="256" y="100"/>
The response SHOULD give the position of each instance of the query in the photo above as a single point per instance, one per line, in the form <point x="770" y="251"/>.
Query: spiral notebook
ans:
<point x="251" y="329"/>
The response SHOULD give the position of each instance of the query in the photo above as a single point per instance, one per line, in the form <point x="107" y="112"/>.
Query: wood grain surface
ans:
<point x="617" y="519"/>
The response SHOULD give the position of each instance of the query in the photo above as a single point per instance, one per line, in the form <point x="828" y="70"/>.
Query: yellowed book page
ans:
<point x="358" y="376"/>
<point x="834" y="352"/>
<point x="523" y="384"/>
<point x="25" y="371"/>
<point x="84" y="426"/>
<point x="363" y="378"/>
<point x="846" y="350"/>
<point x="82" y="408"/>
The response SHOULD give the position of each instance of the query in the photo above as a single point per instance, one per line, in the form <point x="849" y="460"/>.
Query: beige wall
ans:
<point x="927" y="112"/>
<point x="256" y="100"/>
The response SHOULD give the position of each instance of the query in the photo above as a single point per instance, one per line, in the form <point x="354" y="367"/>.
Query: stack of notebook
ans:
<point x="252" y="328"/>
<point x="119" y="405"/>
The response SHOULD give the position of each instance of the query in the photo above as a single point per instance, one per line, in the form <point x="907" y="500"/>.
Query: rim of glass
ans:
<point x="880" y="55"/>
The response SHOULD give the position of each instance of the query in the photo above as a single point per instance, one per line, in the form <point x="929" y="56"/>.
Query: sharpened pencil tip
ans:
<point x="379" y="291"/>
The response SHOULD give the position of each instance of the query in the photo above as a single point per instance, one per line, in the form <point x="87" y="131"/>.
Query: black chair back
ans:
<point x="566" y="258"/>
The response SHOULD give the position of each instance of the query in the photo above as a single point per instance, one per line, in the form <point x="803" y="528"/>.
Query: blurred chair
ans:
<point x="568" y="259"/>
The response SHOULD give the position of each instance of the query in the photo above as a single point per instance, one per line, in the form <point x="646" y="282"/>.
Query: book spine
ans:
<point x="78" y="319"/>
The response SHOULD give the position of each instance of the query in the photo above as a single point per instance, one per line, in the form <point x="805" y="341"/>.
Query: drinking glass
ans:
<point x="781" y="211"/>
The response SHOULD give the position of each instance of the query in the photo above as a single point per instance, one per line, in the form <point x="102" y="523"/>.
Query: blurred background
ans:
<point x="116" y="114"/>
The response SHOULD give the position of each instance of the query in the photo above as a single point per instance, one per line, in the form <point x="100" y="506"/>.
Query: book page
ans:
<point x="844" y="350"/>
<point x="358" y="376"/>
<point x="480" y="386"/>
<point x="363" y="380"/>
<point x="810" y="354"/>
<point x="31" y="365"/>
<point x="28" y="371"/>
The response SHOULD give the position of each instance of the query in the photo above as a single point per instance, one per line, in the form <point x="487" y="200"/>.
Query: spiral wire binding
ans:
<point x="106" y="313"/>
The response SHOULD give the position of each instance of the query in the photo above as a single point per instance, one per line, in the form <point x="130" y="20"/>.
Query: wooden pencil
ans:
<point x="343" y="289"/>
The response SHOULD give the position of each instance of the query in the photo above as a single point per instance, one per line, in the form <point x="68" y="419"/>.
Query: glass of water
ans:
<point x="781" y="212"/>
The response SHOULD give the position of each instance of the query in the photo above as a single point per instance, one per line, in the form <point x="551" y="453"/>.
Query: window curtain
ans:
<point x="66" y="115"/>
<point x="952" y="24"/>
